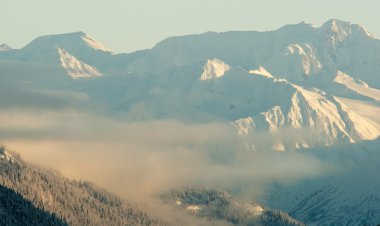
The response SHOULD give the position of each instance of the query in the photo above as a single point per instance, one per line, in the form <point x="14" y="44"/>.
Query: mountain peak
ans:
<point x="75" y="40"/>
<point x="214" y="68"/>
<point x="341" y="29"/>
<point x="5" y="47"/>
<point x="336" y="26"/>
<point x="336" y="22"/>
<point x="336" y="30"/>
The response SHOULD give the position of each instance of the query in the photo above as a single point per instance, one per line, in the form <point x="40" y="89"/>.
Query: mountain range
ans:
<point x="299" y="76"/>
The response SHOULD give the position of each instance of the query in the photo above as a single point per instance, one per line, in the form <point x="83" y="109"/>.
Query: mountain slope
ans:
<point x="74" y="67"/>
<point x="15" y="210"/>
<point x="360" y="88"/>
<point x="259" y="103"/>
<point x="323" y="116"/>
<point x="76" y="202"/>
<point x="349" y="196"/>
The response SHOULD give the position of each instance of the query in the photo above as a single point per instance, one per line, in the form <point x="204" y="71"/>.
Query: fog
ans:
<point x="140" y="159"/>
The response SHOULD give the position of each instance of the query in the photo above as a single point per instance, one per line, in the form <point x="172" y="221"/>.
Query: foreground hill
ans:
<point x="75" y="202"/>
<point x="15" y="210"/>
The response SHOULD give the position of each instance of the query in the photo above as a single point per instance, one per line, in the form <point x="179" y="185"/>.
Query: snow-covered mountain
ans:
<point x="258" y="102"/>
<point x="301" y="53"/>
<point x="297" y="77"/>
<point x="77" y="53"/>
<point x="77" y="43"/>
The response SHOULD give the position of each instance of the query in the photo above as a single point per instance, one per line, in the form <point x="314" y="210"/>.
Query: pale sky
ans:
<point x="128" y="25"/>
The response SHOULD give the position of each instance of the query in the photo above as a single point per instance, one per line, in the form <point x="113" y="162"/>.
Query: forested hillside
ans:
<point x="75" y="202"/>
<point x="15" y="210"/>
<point x="220" y="205"/>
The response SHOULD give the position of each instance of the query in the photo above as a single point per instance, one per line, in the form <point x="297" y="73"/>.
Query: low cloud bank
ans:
<point x="140" y="159"/>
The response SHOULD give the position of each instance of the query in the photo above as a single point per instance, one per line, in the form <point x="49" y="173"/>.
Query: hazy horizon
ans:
<point x="126" y="26"/>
